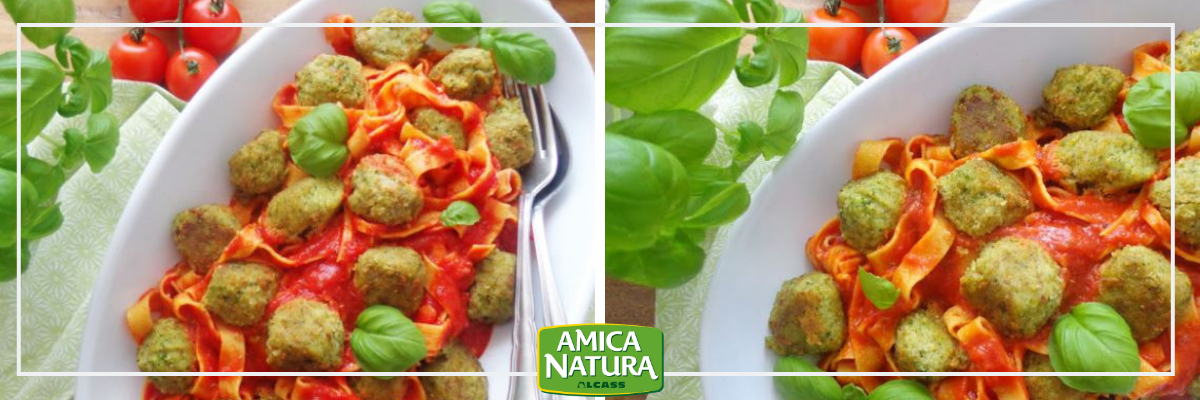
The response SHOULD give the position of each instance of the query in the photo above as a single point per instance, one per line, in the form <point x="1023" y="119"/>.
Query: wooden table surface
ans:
<point x="251" y="11"/>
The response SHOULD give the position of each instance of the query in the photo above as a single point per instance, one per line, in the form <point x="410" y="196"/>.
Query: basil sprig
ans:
<point x="1147" y="108"/>
<point x="881" y="292"/>
<point x="317" y="141"/>
<point x="523" y="56"/>
<point x="804" y="387"/>
<point x="901" y="389"/>
<point x="460" y="213"/>
<point x="1093" y="337"/>
<point x="384" y="340"/>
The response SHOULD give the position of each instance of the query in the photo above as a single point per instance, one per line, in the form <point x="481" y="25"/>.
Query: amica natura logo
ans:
<point x="600" y="360"/>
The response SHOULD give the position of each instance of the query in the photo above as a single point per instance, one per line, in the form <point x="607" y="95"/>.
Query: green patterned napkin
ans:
<point x="56" y="288"/>
<point x="678" y="310"/>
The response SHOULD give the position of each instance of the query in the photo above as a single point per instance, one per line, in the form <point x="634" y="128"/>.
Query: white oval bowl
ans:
<point x="914" y="95"/>
<point x="189" y="168"/>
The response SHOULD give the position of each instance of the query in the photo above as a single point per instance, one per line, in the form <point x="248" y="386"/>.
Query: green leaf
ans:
<point x="41" y="91"/>
<point x="46" y="178"/>
<point x="853" y="392"/>
<point x="650" y="69"/>
<point x="701" y="175"/>
<point x="102" y="138"/>
<point x="384" y="340"/>
<point x="460" y="213"/>
<point x="756" y="69"/>
<point x="29" y="196"/>
<point x="45" y="11"/>
<point x="1147" y="108"/>
<point x="645" y="192"/>
<point x="721" y="203"/>
<point x="785" y="117"/>
<point x="901" y="389"/>
<point x="748" y="141"/>
<point x="804" y="387"/>
<point x="1094" y="338"/>
<point x="523" y="56"/>
<point x="453" y="11"/>
<point x="686" y="134"/>
<point x="8" y="208"/>
<point x="667" y="263"/>
<point x="8" y="260"/>
<point x="77" y="97"/>
<point x="789" y="46"/>
<point x="317" y="141"/>
<point x="96" y="78"/>
<point x="72" y="53"/>
<point x="70" y="154"/>
<point x="45" y="221"/>
<point x="881" y="292"/>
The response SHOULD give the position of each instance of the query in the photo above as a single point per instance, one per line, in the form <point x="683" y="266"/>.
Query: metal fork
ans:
<point x="535" y="177"/>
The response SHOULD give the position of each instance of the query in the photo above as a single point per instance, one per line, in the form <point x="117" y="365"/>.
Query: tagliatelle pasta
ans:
<point x="319" y="267"/>
<point x="926" y="257"/>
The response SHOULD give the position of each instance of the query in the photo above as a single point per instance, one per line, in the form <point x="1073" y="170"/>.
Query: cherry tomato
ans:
<point x="918" y="11"/>
<point x="840" y="45"/>
<point x="864" y="3"/>
<point x="885" y="45"/>
<point x="138" y="55"/>
<point x="218" y="41"/>
<point x="187" y="70"/>
<point x="155" y="10"/>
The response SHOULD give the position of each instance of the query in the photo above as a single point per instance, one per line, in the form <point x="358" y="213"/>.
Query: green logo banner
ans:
<point x="600" y="360"/>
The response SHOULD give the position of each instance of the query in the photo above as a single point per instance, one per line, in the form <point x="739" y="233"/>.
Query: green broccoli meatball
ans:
<point x="305" y="335"/>
<point x="438" y="125"/>
<point x="1015" y="284"/>
<point x="168" y="349"/>
<point x="201" y="234"/>
<point x="384" y="191"/>
<point x="1106" y="162"/>
<point x="923" y="344"/>
<point x="465" y="73"/>
<point x="239" y="292"/>
<point x="978" y="197"/>
<point x="331" y="79"/>
<point x="301" y="209"/>
<point x="371" y="388"/>
<point x="1187" y="200"/>
<point x="807" y="317"/>
<point x="454" y="358"/>
<point x="1080" y="96"/>
<point x="1187" y="53"/>
<point x="391" y="275"/>
<point x="492" y="293"/>
<point x="1046" y="387"/>
<point x="509" y="134"/>
<point x="383" y="46"/>
<point x="259" y="166"/>
<point x="984" y="117"/>
<point x="1136" y="281"/>
<point x="869" y="208"/>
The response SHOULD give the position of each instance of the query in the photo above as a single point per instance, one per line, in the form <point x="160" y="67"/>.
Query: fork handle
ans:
<point x="552" y="311"/>
<point x="524" y="338"/>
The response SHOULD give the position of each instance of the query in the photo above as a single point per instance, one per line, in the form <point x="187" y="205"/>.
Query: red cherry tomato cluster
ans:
<point x="874" y="48"/>
<point x="143" y="56"/>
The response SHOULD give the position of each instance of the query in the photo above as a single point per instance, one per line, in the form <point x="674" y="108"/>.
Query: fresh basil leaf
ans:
<point x="901" y="389"/>
<point x="804" y="387"/>
<point x="29" y="195"/>
<point x="686" y="134"/>
<point x="785" y="117"/>
<point x="650" y="69"/>
<point x="45" y="11"/>
<point x="645" y="192"/>
<point x="756" y="69"/>
<point x="317" y="141"/>
<point x="721" y="203"/>
<point x="8" y="208"/>
<point x="1147" y="111"/>
<point x="748" y="141"/>
<point x="384" y="340"/>
<point x="46" y="178"/>
<point x="1093" y="337"/>
<point x="523" y="56"/>
<point x="667" y="263"/>
<point x="70" y="154"/>
<point x="102" y="138"/>
<point x="10" y="151"/>
<point x="72" y="53"/>
<point x="789" y="47"/>
<point x="41" y="91"/>
<point x="881" y="292"/>
<point x="453" y="11"/>
<point x="1187" y="97"/>
<point x="46" y="221"/>
<point x="96" y="78"/>
<point x="8" y="262"/>
<point x="460" y="213"/>
<point x="77" y="99"/>
<point x="853" y="392"/>
<point x="701" y="175"/>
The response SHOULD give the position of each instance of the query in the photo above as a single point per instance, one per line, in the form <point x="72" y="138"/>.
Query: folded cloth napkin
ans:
<point x="63" y="268"/>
